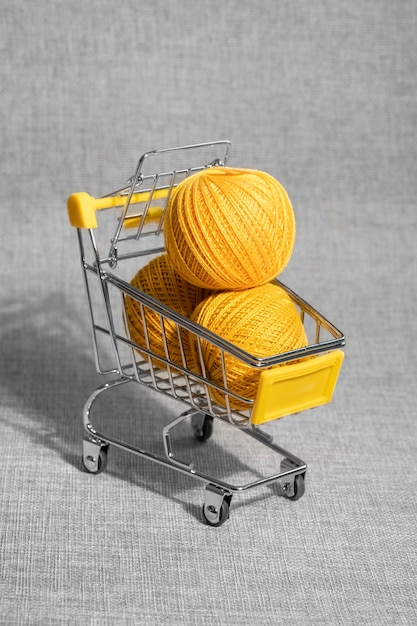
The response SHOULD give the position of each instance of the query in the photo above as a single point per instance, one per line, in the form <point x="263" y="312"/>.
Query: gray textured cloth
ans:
<point x="320" y="94"/>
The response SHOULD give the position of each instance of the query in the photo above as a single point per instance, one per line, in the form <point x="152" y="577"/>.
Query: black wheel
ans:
<point x="203" y="430"/>
<point x="299" y="488"/>
<point x="100" y="466"/>
<point x="223" y="515"/>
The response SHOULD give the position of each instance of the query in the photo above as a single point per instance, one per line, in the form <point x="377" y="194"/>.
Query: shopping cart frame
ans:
<point x="140" y="208"/>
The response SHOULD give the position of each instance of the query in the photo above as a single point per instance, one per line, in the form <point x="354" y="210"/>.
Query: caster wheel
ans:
<point x="299" y="488"/>
<point x="95" y="465"/>
<point x="222" y="517"/>
<point x="202" y="427"/>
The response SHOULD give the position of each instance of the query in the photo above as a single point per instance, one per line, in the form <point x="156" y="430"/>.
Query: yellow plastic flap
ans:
<point x="295" y="387"/>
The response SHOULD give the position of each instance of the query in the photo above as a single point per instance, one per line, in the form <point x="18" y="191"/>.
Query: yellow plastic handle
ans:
<point x="82" y="207"/>
<point x="153" y="214"/>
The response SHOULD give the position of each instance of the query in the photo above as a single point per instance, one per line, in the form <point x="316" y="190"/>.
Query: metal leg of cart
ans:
<point x="218" y="493"/>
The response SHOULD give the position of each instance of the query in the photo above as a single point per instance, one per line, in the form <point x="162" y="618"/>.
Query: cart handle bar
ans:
<point x="82" y="207"/>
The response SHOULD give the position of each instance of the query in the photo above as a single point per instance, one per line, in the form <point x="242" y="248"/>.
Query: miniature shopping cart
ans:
<point x="117" y="233"/>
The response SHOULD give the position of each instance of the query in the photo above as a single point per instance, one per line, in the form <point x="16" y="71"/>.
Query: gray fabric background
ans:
<point x="323" y="96"/>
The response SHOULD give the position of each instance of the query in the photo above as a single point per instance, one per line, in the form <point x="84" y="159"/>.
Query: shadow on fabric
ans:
<point x="47" y="372"/>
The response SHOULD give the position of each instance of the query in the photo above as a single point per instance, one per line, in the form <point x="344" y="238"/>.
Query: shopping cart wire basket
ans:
<point x="119" y="231"/>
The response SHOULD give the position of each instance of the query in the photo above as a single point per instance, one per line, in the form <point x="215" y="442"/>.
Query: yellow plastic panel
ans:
<point x="292" y="388"/>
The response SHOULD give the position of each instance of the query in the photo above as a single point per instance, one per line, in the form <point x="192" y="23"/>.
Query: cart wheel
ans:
<point x="223" y="515"/>
<point x="202" y="426"/>
<point x="299" y="488"/>
<point x="98" y="465"/>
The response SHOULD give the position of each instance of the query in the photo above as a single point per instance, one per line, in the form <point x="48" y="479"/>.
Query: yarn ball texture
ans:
<point x="263" y="321"/>
<point x="229" y="228"/>
<point x="160" y="280"/>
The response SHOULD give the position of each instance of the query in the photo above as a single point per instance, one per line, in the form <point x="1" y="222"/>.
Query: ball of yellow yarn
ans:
<point x="229" y="228"/>
<point x="160" y="280"/>
<point x="263" y="321"/>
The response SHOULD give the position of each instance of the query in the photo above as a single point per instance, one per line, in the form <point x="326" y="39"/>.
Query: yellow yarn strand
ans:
<point x="229" y="228"/>
<point x="160" y="280"/>
<point x="263" y="321"/>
